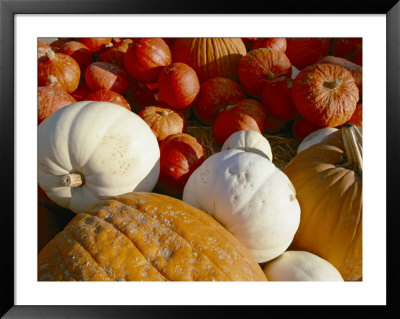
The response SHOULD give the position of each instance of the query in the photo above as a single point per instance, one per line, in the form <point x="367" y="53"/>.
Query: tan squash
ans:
<point x="210" y="57"/>
<point x="146" y="237"/>
<point x="328" y="180"/>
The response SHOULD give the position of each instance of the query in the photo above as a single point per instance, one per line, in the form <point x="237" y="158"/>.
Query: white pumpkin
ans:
<point x="301" y="266"/>
<point x="315" y="138"/>
<point x="250" y="197"/>
<point x="249" y="141"/>
<point x="91" y="150"/>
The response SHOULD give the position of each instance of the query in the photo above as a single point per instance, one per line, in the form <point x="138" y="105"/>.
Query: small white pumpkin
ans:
<point x="315" y="138"/>
<point x="249" y="141"/>
<point x="250" y="197"/>
<point x="301" y="266"/>
<point x="90" y="150"/>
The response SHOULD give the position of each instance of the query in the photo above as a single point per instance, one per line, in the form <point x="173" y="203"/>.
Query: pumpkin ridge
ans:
<point x="314" y="209"/>
<point x="124" y="235"/>
<point x="89" y="255"/>
<point x="160" y="220"/>
<point x="105" y="129"/>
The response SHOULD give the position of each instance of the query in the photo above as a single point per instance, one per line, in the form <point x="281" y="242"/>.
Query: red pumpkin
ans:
<point x="346" y="48"/>
<point x="56" y="44"/>
<point x="356" y="118"/>
<point x="180" y="155"/>
<point x="302" y="128"/>
<point x="108" y="96"/>
<point x="249" y="42"/>
<point x="106" y="76"/>
<point x="178" y="85"/>
<point x="95" y="44"/>
<point x="145" y="58"/>
<point x="79" y="52"/>
<point x="115" y="55"/>
<point x="260" y="66"/>
<point x="141" y="94"/>
<point x="355" y="70"/>
<point x="247" y="114"/>
<point x="81" y="92"/>
<point x="62" y="67"/>
<point x="42" y="48"/>
<point x="303" y="52"/>
<point x="325" y="94"/>
<point x="163" y="121"/>
<point x="277" y="99"/>
<point x="215" y="94"/>
<point x="273" y="43"/>
<point x="272" y="125"/>
<point x="50" y="100"/>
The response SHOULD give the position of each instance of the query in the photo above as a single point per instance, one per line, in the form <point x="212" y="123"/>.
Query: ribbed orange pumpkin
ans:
<point x="146" y="237"/>
<point x="328" y="182"/>
<point x="210" y="57"/>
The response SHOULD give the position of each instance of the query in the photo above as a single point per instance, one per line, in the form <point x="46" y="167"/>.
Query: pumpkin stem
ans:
<point x="52" y="80"/>
<point x="352" y="140"/>
<point x="72" y="180"/>
<point x="230" y="107"/>
<point x="50" y="54"/>
<point x="332" y="84"/>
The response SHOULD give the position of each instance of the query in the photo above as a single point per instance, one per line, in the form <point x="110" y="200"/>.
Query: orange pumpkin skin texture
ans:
<point x="325" y="94"/>
<point x="210" y="57"/>
<point x="330" y="197"/>
<point x="303" y="52"/>
<point x="163" y="121"/>
<point x="95" y="44"/>
<point x="274" y="43"/>
<point x="260" y="66"/>
<point x="42" y="48"/>
<point x="108" y="96"/>
<point x="355" y="69"/>
<point x="79" y="52"/>
<point x="301" y="128"/>
<point x="60" y="66"/>
<point x="50" y="100"/>
<point x="146" y="237"/>
<point x="356" y="118"/>
<point x="178" y="85"/>
<point x="215" y="94"/>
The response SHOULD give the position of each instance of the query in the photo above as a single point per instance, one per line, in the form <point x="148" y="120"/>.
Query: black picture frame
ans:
<point x="8" y="10"/>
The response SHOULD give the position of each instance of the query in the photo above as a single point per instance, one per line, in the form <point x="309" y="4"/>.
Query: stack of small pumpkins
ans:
<point x="147" y="201"/>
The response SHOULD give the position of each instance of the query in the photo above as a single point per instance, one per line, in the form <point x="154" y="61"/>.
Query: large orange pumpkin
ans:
<point x="210" y="57"/>
<point x="328" y="181"/>
<point x="146" y="237"/>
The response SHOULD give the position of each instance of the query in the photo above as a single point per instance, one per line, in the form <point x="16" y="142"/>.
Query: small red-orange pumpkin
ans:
<point x="325" y="94"/>
<point x="163" y="120"/>
<point x="180" y="155"/>
<point x="178" y="85"/>
<point x="245" y="115"/>
<point x="61" y="67"/>
<point x="303" y="52"/>
<point x="79" y="52"/>
<point x="106" y="76"/>
<point x="108" y="96"/>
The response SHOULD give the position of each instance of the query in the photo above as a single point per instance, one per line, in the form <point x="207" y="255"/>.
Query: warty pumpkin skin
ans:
<point x="210" y="57"/>
<point x="250" y="197"/>
<point x="90" y="150"/>
<point x="325" y="94"/>
<point x="328" y="181"/>
<point x="146" y="237"/>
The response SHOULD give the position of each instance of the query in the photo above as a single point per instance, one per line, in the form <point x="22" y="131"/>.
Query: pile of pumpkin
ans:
<point x="125" y="193"/>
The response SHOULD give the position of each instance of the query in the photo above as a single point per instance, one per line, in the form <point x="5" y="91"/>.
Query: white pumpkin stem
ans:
<point x="52" y="80"/>
<point x="352" y="140"/>
<point x="332" y="84"/>
<point x="72" y="180"/>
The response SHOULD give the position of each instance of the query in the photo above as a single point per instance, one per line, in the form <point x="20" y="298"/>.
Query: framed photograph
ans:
<point x="362" y="38"/>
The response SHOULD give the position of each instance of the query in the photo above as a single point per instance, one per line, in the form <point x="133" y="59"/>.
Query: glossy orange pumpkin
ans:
<point x="328" y="180"/>
<point x="146" y="237"/>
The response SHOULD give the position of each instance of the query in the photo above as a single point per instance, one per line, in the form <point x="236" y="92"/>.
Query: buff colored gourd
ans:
<point x="250" y="197"/>
<point x="301" y="266"/>
<point x="143" y="236"/>
<point x="328" y="181"/>
<point x="90" y="150"/>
